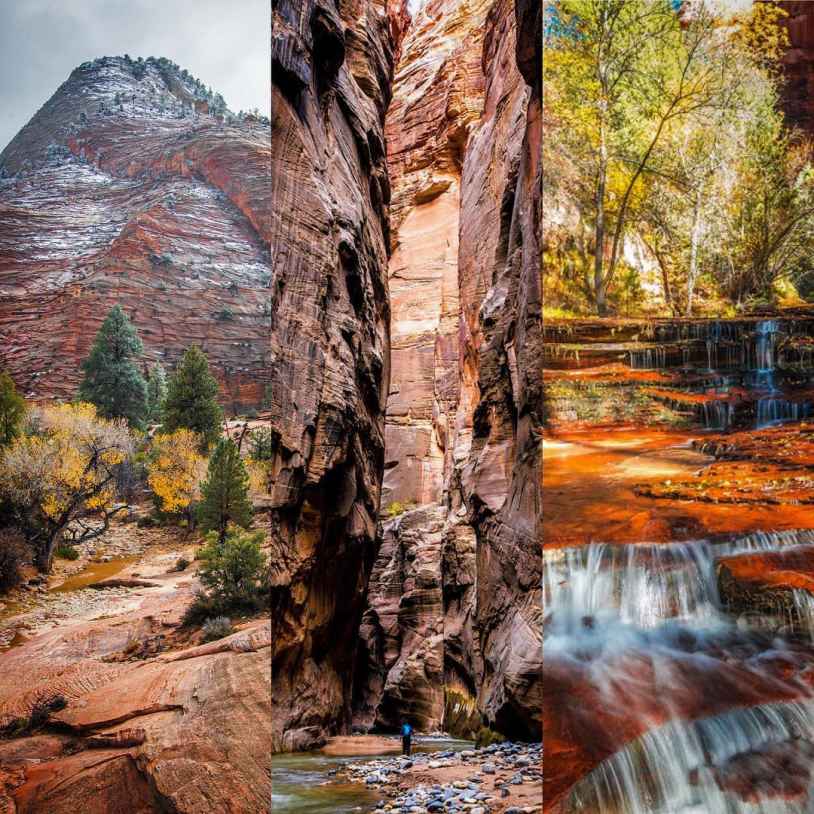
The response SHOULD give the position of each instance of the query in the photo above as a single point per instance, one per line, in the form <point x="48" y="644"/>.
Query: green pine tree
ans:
<point x="12" y="410"/>
<point x="191" y="401"/>
<point x="156" y="393"/>
<point x="225" y="492"/>
<point x="112" y="380"/>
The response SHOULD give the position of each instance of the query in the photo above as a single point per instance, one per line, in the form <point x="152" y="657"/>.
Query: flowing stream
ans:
<point x="677" y="705"/>
<point x="303" y="782"/>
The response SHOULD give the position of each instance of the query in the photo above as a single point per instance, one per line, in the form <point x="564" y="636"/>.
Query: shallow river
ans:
<point x="301" y="783"/>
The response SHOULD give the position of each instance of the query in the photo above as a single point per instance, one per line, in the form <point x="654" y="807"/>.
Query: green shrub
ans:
<point x="262" y="444"/>
<point x="182" y="564"/>
<point x="66" y="552"/>
<point x="12" y="410"/>
<point x="397" y="507"/>
<point x="232" y="570"/>
<point x="217" y="628"/>
<point x="232" y="573"/>
<point x="486" y="737"/>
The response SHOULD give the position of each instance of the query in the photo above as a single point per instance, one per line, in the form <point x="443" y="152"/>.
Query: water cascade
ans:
<point x="749" y="372"/>
<point x="623" y="612"/>
<point x="692" y="767"/>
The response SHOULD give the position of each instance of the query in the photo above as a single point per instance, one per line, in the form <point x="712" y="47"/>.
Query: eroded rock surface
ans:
<point x="437" y="100"/>
<point x="464" y="407"/>
<point x="331" y="75"/>
<point x="186" y="731"/>
<point x="402" y="630"/>
<point x="499" y="269"/>
<point x="131" y="186"/>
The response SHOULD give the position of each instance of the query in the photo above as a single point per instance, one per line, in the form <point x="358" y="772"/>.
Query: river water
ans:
<point x="661" y="701"/>
<point x="301" y="782"/>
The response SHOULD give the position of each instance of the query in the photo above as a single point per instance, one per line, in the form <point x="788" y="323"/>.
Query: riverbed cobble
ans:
<point x="473" y="781"/>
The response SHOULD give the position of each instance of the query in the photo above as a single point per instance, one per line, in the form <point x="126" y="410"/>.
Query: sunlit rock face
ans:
<point x="437" y="100"/>
<point x="463" y="138"/>
<point x="187" y="731"/>
<point x="501" y="376"/>
<point x="131" y="186"/>
<point x="331" y="75"/>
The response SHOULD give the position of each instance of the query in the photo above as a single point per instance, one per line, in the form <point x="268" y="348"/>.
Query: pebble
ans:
<point x="510" y="763"/>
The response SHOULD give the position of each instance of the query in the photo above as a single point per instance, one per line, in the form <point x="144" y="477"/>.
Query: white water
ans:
<point x="655" y="774"/>
<point x="619" y="609"/>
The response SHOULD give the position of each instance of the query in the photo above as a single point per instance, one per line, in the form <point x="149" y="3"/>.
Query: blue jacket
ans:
<point x="406" y="731"/>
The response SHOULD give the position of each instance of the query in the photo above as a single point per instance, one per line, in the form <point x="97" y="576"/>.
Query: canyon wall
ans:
<point x="437" y="99"/>
<point x="463" y="147"/>
<point x="133" y="185"/>
<point x="501" y="480"/>
<point x="798" y="65"/>
<point x="331" y="76"/>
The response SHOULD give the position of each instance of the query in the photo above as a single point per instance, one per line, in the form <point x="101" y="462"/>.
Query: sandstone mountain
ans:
<point x="134" y="184"/>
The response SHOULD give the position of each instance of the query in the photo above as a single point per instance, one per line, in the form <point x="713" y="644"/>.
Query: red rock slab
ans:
<point x="787" y="569"/>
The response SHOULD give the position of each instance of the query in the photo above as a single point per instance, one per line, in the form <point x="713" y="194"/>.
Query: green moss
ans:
<point x="486" y="737"/>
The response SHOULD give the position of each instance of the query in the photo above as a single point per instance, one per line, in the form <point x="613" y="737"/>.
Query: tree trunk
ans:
<point x="599" y="232"/>
<point x="44" y="558"/>
<point x="694" y="238"/>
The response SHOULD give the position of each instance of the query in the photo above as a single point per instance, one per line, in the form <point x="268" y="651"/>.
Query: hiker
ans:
<point x="406" y="738"/>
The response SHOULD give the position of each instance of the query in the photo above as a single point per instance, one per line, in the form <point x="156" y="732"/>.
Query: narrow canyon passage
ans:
<point x="678" y="632"/>
<point x="441" y="613"/>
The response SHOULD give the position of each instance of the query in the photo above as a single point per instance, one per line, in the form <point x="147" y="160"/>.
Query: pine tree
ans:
<point x="191" y="401"/>
<point x="112" y="380"/>
<point x="156" y="393"/>
<point x="225" y="492"/>
<point x="12" y="410"/>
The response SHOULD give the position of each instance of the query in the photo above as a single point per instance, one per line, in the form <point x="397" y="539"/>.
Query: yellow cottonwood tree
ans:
<point x="64" y="475"/>
<point x="175" y="471"/>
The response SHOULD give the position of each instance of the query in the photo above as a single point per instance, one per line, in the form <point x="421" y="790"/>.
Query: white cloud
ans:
<point x="225" y="44"/>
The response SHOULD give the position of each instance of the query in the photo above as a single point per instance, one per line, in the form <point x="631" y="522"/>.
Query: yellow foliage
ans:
<point x="258" y="476"/>
<point x="176" y="470"/>
<point x="763" y="33"/>
<point x="67" y="463"/>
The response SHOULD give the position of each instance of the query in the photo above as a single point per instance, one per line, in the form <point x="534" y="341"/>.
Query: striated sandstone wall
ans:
<point x="501" y="480"/>
<point x="437" y="99"/>
<point x="463" y="148"/>
<point x="331" y="72"/>
<point x="117" y="192"/>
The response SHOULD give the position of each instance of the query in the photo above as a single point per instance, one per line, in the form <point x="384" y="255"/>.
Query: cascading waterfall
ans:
<point x="660" y="603"/>
<point x="758" y="363"/>
<point x="772" y="410"/>
<point x="641" y="585"/>
<point x="650" y="358"/>
<point x="717" y="415"/>
<point x="765" y="339"/>
<point x="677" y="768"/>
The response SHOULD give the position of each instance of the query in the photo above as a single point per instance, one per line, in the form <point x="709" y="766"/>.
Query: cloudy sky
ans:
<point x="225" y="43"/>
